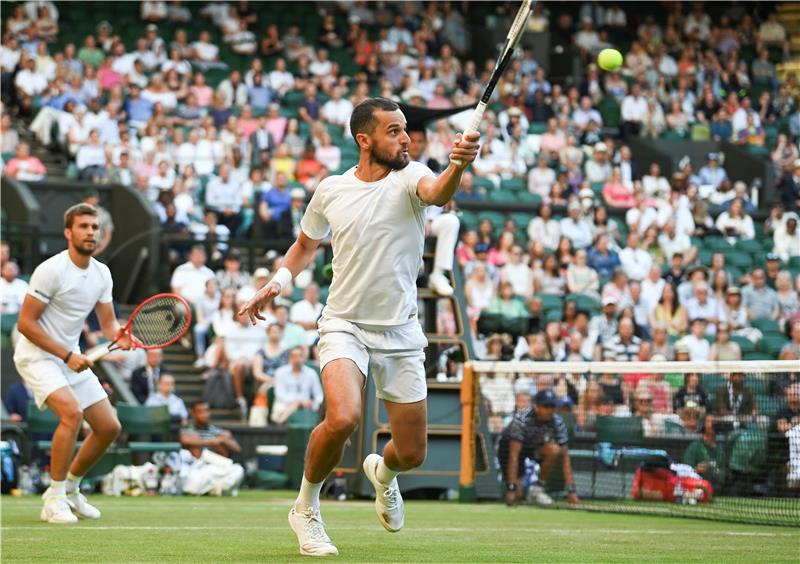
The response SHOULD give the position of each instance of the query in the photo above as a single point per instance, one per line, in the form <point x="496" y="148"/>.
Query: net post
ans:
<point x="468" y="396"/>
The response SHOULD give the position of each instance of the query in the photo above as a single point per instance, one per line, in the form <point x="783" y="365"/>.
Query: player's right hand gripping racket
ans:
<point x="157" y="323"/>
<point x="512" y="39"/>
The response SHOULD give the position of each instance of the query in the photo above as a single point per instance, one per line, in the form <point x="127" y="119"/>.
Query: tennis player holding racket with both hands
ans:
<point x="63" y="291"/>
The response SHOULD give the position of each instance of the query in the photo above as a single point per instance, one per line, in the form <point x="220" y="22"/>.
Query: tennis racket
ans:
<point x="512" y="39"/>
<point x="158" y="322"/>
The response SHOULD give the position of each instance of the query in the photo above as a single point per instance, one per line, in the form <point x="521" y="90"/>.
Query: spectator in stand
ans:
<point x="705" y="306"/>
<point x="712" y="174"/>
<point x="734" y="224"/>
<point x="602" y="259"/>
<point x="541" y="178"/>
<point x="760" y="300"/>
<point x="615" y="193"/>
<point x="517" y="272"/>
<point x="202" y="434"/>
<point x="734" y="398"/>
<point x="582" y="279"/>
<point x="25" y="167"/>
<point x="166" y="396"/>
<point x="790" y="187"/>
<point x="544" y="228"/>
<point x="635" y="261"/>
<point x="144" y="380"/>
<point x="623" y="346"/>
<point x="238" y="347"/>
<point x="189" y="279"/>
<point x="695" y="342"/>
<point x="633" y="112"/>
<point x="224" y="197"/>
<point x="788" y="301"/>
<point x="12" y="288"/>
<point x="723" y="348"/>
<point x="575" y="228"/>
<point x="306" y="312"/>
<point x="296" y="387"/>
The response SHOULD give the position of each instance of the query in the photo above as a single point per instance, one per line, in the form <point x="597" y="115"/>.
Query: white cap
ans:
<point x="261" y="273"/>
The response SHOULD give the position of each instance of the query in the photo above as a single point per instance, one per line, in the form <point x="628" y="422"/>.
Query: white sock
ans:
<point x="385" y="474"/>
<point x="309" y="494"/>
<point x="58" y="488"/>
<point x="438" y="271"/>
<point x="73" y="482"/>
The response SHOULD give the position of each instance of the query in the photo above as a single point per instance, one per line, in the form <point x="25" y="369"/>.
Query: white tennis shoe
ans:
<point x="537" y="495"/>
<point x="310" y="530"/>
<point x="388" y="501"/>
<point x="56" y="509"/>
<point x="81" y="508"/>
<point x="440" y="285"/>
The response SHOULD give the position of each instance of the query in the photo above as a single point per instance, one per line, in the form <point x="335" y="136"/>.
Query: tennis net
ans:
<point x="716" y="440"/>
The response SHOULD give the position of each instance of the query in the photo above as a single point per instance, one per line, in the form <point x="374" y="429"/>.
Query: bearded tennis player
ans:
<point x="63" y="291"/>
<point x="369" y="328"/>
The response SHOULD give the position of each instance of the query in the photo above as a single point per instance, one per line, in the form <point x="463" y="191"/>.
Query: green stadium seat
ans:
<point x="757" y="356"/>
<point x="765" y="325"/>
<point x="620" y="431"/>
<point x="745" y="345"/>
<point x="553" y="315"/>
<point x="522" y="219"/>
<point x="483" y="182"/>
<point x="513" y="184"/>
<point x="503" y="196"/>
<point x="468" y="219"/>
<point x="526" y="197"/>
<point x="143" y="420"/>
<point x="771" y="344"/>
<point x="537" y="128"/>
<point x="495" y="217"/>
<point x="550" y="301"/>
<point x="752" y="246"/>
<point x="44" y="422"/>
<point x="739" y="259"/>
<point x="610" y="111"/>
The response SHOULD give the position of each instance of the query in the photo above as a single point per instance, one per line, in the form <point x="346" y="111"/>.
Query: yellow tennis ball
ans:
<point x="609" y="59"/>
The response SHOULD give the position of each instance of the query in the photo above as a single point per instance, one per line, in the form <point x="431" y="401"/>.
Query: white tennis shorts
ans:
<point x="46" y="376"/>
<point x="391" y="356"/>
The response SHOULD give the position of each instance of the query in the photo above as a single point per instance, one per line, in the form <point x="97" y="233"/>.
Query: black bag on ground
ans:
<point x="218" y="391"/>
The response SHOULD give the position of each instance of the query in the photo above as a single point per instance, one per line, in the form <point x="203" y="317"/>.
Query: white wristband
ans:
<point x="282" y="277"/>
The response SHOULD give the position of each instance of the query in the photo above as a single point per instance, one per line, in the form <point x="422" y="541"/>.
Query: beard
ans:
<point x="396" y="162"/>
<point x="86" y="249"/>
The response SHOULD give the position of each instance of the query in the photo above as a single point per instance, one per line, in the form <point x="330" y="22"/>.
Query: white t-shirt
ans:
<point x="243" y="341"/>
<point x="378" y="236"/>
<point x="71" y="293"/>
<point x="12" y="294"/>
<point x="190" y="281"/>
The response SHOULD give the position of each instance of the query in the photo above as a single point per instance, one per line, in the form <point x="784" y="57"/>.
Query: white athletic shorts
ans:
<point x="47" y="375"/>
<point x="393" y="356"/>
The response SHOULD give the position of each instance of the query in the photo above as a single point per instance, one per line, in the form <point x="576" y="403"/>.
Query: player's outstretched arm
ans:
<point x="32" y="309"/>
<point x="297" y="258"/>
<point x="438" y="191"/>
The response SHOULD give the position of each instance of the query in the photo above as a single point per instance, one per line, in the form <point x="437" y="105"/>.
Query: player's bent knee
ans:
<point x="412" y="458"/>
<point x="71" y="417"/>
<point x="342" y="423"/>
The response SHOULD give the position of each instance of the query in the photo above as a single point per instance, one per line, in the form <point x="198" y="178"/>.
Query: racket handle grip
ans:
<point x="97" y="354"/>
<point x="474" y="123"/>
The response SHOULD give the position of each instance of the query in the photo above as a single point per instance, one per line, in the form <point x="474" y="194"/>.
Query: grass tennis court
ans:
<point x="253" y="528"/>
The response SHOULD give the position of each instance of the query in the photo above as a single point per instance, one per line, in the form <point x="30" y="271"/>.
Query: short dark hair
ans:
<point x="195" y="404"/>
<point x="362" y="120"/>
<point x="75" y="211"/>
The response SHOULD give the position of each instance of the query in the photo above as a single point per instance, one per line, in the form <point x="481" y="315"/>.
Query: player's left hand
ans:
<point x="126" y="341"/>
<point x="572" y="498"/>
<point x="465" y="148"/>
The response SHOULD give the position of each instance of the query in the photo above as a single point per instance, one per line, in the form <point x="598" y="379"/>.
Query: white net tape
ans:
<point x="529" y="367"/>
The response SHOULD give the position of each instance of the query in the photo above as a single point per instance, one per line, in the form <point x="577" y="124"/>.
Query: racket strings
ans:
<point x="160" y="321"/>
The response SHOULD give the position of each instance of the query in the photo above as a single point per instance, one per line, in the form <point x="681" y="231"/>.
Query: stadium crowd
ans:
<point x="229" y="124"/>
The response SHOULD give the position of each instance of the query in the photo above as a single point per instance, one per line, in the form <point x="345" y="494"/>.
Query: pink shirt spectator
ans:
<point x="108" y="78"/>
<point x="247" y="127"/>
<point x="29" y="168"/>
<point x="618" y="195"/>
<point x="203" y="94"/>
<point x="277" y="128"/>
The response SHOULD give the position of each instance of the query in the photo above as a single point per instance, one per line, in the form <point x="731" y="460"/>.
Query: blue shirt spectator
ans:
<point x="16" y="401"/>
<point x="259" y="95"/>
<point x="139" y="109"/>
<point x="279" y="200"/>
<point x="603" y="262"/>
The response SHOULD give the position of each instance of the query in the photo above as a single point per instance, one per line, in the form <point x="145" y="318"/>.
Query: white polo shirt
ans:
<point x="378" y="236"/>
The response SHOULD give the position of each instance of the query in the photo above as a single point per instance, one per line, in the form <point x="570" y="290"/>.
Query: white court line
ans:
<point x="425" y="530"/>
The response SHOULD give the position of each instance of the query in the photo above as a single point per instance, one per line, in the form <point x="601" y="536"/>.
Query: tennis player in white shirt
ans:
<point x="369" y="327"/>
<point x="63" y="291"/>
